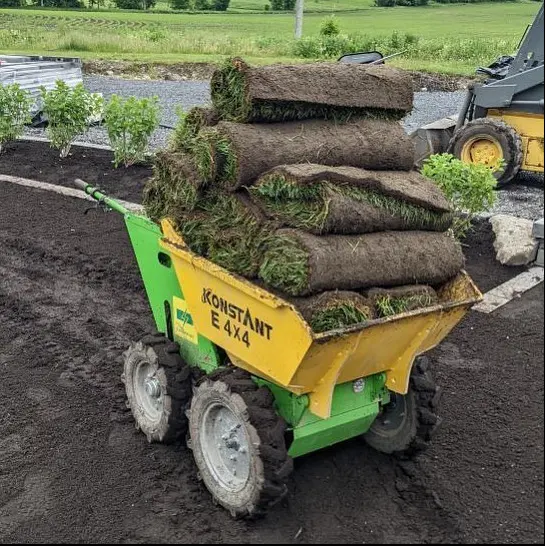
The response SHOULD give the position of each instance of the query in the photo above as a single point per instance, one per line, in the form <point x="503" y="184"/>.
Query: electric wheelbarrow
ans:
<point x="238" y="372"/>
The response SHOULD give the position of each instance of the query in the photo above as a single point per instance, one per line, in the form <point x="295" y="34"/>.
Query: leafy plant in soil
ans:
<point x="130" y="123"/>
<point x="470" y="188"/>
<point x="69" y="110"/>
<point x="15" y="104"/>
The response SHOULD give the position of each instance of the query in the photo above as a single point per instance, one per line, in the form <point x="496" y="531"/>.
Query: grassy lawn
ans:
<point x="445" y="38"/>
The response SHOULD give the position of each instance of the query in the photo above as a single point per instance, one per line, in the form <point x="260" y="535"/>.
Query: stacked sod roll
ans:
<point x="300" y="178"/>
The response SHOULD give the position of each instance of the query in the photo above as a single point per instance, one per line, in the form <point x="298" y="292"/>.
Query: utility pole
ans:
<point x="299" y="5"/>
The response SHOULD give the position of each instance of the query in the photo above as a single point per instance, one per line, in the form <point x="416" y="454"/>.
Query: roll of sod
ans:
<point x="299" y="264"/>
<point x="410" y="187"/>
<point x="278" y="93"/>
<point x="227" y="230"/>
<point x="174" y="187"/>
<point x="189" y="125"/>
<point x="393" y="301"/>
<point x="363" y="205"/>
<point x="333" y="310"/>
<point x="235" y="155"/>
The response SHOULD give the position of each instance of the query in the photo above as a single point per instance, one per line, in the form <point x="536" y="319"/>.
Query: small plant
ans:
<point x="470" y="188"/>
<point x="130" y="124"/>
<point x="330" y="26"/>
<point x="15" y="106"/>
<point x="69" y="110"/>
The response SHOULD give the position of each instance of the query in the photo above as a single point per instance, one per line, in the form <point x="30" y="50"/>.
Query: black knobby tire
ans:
<point x="168" y="422"/>
<point x="509" y="140"/>
<point x="263" y="431"/>
<point x="408" y="423"/>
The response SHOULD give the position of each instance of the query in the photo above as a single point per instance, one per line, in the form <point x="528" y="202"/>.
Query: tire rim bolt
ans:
<point x="153" y="389"/>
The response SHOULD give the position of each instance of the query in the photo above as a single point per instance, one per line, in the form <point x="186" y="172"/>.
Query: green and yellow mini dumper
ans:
<point x="238" y="372"/>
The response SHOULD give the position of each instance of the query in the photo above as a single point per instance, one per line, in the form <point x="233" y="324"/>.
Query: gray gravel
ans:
<point x="429" y="107"/>
<point x="524" y="198"/>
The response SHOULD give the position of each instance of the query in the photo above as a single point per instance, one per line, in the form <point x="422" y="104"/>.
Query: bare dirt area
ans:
<point x="94" y="166"/>
<point x="73" y="468"/>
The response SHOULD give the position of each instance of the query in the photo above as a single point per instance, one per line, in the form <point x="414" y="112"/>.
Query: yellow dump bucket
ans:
<point x="267" y="336"/>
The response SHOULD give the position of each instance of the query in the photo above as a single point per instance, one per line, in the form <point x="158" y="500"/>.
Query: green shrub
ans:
<point x="68" y="111"/>
<point x="135" y="4"/>
<point x="11" y="3"/>
<point x="180" y="4"/>
<point x="58" y="3"/>
<point x="330" y="26"/>
<point x="130" y="124"/>
<point x="468" y="187"/>
<point x="15" y="104"/>
<point x="221" y="5"/>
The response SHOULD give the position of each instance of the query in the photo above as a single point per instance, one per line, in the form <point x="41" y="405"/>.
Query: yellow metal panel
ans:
<point x="268" y="337"/>
<point x="530" y="128"/>
<point x="533" y="159"/>
<point x="253" y="325"/>
<point x="528" y="125"/>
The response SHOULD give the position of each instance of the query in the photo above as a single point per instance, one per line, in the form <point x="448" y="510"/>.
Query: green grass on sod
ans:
<point x="306" y="205"/>
<point x="338" y="316"/>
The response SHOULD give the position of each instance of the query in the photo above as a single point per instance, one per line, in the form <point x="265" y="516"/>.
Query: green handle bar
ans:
<point x="99" y="196"/>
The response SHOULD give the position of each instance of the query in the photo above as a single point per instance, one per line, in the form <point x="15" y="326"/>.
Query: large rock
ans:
<point x="515" y="243"/>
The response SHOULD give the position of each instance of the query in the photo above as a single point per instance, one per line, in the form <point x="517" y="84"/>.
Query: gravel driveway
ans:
<point x="525" y="198"/>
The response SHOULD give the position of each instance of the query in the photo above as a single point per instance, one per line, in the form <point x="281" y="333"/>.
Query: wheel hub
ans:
<point x="225" y="447"/>
<point x="149" y="391"/>
<point x="152" y="387"/>
<point x="393" y="414"/>
<point x="483" y="151"/>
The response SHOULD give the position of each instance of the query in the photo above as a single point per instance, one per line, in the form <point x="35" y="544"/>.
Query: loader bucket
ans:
<point x="267" y="336"/>
<point x="433" y="138"/>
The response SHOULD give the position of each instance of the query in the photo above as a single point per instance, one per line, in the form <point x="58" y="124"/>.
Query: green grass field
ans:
<point x="440" y="38"/>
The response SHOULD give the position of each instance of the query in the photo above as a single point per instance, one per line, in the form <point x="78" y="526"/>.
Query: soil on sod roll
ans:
<point x="326" y="207"/>
<point x="300" y="264"/>
<point x="393" y="301"/>
<point x="316" y="90"/>
<point x="248" y="151"/>
<point x="336" y="309"/>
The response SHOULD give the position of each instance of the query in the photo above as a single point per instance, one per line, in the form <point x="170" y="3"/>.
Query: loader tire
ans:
<point x="158" y="387"/>
<point x="408" y="423"/>
<point x="484" y="139"/>
<point x="238" y="442"/>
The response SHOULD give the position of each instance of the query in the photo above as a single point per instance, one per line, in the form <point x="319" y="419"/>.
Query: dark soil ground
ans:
<point x="38" y="161"/>
<point x="74" y="470"/>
